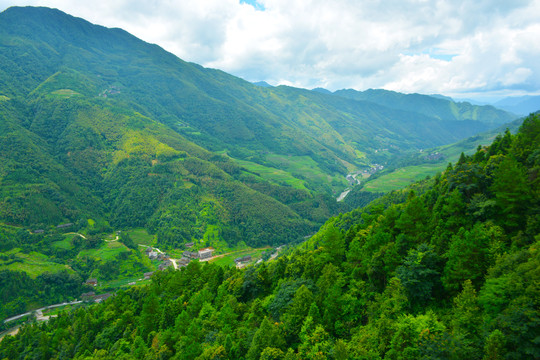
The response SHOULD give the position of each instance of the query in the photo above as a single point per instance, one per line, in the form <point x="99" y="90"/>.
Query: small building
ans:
<point x="206" y="253"/>
<point x="91" y="282"/>
<point x="88" y="296"/>
<point x="189" y="245"/>
<point x="164" y="265"/>
<point x="190" y="254"/>
<point x="63" y="226"/>
<point x="243" y="259"/>
<point x="183" y="262"/>
<point x="39" y="231"/>
<point x="102" y="297"/>
<point x="148" y="275"/>
<point x="152" y="255"/>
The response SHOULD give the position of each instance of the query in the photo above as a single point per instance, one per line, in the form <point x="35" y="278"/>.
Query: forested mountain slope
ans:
<point x="101" y="124"/>
<point x="445" y="269"/>
<point x="214" y="109"/>
<point x="75" y="158"/>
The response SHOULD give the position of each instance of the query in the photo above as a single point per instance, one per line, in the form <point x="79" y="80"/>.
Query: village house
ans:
<point x="243" y="259"/>
<point x="88" y="296"/>
<point x="91" y="282"/>
<point x="189" y="245"/>
<point x="102" y="297"/>
<point x="151" y="253"/>
<point x="206" y="253"/>
<point x="183" y="262"/>
<point x="164" y="265"/>
<point x="190" y="254"/>
<point x="63" y="226"/>
<point x="148" y="275"/>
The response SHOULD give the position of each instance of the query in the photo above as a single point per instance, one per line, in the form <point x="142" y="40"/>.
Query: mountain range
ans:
<point x="96" y="123"/>
<point x="120" y="162"/>
<point x="522" y="105"/>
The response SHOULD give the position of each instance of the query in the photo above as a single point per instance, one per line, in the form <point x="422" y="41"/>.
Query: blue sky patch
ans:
<point x="253" y="3"/>
<point x="436" y="53"/>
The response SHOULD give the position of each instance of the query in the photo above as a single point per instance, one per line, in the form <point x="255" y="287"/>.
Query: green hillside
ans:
<point x="445" y="269"/>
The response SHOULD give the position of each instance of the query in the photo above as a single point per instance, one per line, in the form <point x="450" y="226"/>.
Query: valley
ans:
<point x="154" y="208"/>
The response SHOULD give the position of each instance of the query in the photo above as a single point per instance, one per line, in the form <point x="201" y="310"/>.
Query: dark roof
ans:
<point x="64" y="225"/>
<point x="243" y="258"/>
<point x="102" y="297"/>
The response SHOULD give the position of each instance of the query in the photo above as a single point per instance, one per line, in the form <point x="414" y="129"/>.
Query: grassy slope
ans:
<point x="33" y="263"/>
<point x="404" y="176"/>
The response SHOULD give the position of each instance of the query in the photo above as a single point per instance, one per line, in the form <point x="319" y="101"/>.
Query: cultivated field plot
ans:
<point x="33" y="263"/>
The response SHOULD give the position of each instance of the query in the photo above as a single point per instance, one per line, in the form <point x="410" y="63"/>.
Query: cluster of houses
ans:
<point x="153" y="254"/>
<point x="373" y="169"/>
<point x="203" y="254"/>
<point x="434" y="156"/>
<point x="187" y="256"/>
<point x="166" y="261"/>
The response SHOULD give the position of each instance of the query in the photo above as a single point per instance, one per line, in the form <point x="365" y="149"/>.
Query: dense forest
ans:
<point x="445" y="269"/>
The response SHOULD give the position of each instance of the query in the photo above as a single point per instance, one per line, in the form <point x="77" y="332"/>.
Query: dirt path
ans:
<point x="233" y="252"/>
<point x="74" y="233"/>
<point x="117" y="237"/>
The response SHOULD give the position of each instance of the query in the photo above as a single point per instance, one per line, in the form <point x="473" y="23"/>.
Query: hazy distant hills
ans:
<point x="99" y="123"/>
<point x="435" y="106"/>
<point x="522" y="105"/>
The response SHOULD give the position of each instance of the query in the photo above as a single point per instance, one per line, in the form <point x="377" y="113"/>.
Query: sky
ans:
<point x="477" y="49"/>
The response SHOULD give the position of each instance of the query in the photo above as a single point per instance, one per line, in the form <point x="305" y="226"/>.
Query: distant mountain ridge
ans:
<point x="436" y="106"/>
<point x="522" y="105"/>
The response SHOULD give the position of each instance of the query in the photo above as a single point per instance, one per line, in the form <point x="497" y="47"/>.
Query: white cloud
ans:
<point x="429" y="46"/>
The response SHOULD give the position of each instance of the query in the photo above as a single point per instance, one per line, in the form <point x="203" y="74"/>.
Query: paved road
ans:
<point x="40" y="310"/>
